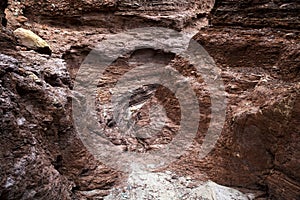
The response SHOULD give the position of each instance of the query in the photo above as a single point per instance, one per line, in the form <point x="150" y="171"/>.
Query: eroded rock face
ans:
<point x="257" y="14"/>
<point x="271" y="51"/>
<point x="260" y="144"/>
<point x="7" y="41"/>
<point x="115" y="14"/>
<point x="41" y="156"/>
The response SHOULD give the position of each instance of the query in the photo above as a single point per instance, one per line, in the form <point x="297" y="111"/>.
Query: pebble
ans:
<point x="21" y="121"/>
<point x="57" y="31"/>
<point x="182" y="180"/>
<point x="168" y="172"/>
<point x="22" y="19"/>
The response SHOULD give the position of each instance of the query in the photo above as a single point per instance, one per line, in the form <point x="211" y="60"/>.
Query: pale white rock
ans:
<point x="9" y="182"/>
<point x="148" y="185"/>
<point x="32" y="41"/>
<point x="21" y="121"/>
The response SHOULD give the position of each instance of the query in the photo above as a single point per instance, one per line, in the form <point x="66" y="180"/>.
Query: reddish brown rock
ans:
<point x="255" y="43"/>
<point x="7" y="41"/>
<point x="282" y="187"/>
<point x="259" y="147"/>
<point x="257" y="14"/>
<point x="115" y="15"/>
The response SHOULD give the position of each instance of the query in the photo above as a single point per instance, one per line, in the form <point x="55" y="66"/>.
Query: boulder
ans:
<point x="32" y="41"/>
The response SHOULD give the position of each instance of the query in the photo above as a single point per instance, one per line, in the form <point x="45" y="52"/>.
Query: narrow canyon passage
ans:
<point x="152" y="106"/>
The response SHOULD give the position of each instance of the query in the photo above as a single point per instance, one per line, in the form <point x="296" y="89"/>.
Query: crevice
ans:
<point x="3" y="19"/>
<point x="74" y="58"/>
<point x="256" y="26"/>
<point x="58" y="163"/>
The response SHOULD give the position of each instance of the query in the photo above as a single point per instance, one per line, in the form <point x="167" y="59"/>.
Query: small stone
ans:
<point x="129" y="187"/>
<point x="9" y="182"/>
<point x="234" y="87"/>
<point x="174" y="176"/>
<point x="19" y="48"/>
<point x="21" y="19"/>
<point x="182" y="180"/>
<point x="21" y="121"/>
<point x="168" y="172"/>
<point x="34" y="78"/>
<point x="290" y="35"/>
<point x="192" y="185"/>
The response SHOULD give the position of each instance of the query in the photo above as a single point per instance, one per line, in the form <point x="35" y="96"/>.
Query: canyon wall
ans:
<point x="257" y="14"/>
<point x="255" y="43"/>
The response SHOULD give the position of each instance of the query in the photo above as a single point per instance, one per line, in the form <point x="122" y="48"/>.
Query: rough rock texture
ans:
<point x="41" y="156"/>
<point x="114" y="14"/>
<point x="255" y="43"/>
<point x="260" y="144"/>
<point x="168" y="185"/>
<point x="7" y="41"/>
<point x="257" y="13"/>
<point x="262" y="85"/>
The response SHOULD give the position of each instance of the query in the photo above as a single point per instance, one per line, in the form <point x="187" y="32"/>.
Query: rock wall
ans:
<point x="41" y="156"/>
<point x="7" y="41"/>
<point x="256" y="43"/>
<point x="257" y="13"/>
<point x="113" y="13"/>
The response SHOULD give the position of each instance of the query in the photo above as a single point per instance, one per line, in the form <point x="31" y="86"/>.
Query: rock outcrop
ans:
<point x="257" y="14"/>
<point x="254" y="43"/>
<point x="116" y="15"/>
<point x="7" y="41"/>
<point x="41" y="156"/>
